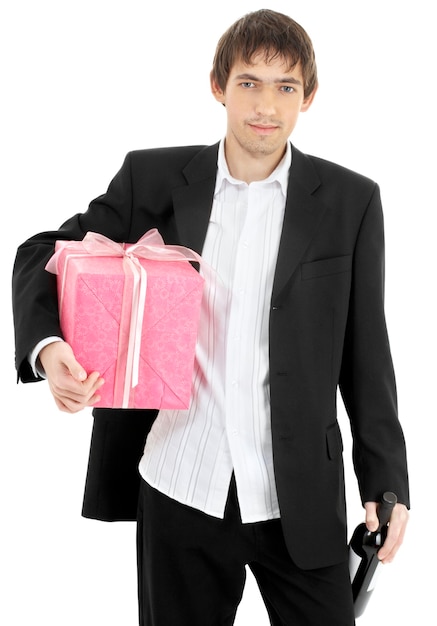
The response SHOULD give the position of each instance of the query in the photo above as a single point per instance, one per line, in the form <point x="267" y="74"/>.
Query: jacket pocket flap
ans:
<point x="325" y="267"/>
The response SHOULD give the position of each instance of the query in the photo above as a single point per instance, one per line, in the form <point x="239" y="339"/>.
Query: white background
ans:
<point x="82" y="83"/>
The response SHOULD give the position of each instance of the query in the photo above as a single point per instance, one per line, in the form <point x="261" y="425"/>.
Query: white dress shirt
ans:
<point x="190" y="454"/>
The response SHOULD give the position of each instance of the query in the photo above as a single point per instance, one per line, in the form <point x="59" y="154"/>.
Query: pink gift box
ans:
<point x="131" y="313"/>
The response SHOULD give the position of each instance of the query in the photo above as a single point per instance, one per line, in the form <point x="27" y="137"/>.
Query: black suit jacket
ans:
<point x="327" y="329"/>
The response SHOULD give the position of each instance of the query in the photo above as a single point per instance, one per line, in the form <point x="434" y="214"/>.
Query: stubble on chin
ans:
<point x="263" y="146"/>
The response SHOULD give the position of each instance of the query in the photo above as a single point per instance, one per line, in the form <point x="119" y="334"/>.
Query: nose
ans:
<point x="265" y="104"/>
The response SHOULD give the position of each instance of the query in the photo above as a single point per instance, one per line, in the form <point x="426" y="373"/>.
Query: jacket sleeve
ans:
<point x="367" y="379"/>
<point x="34" y="294"/>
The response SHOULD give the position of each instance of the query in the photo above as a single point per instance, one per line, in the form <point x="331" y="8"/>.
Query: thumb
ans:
<point x="372" y="521"/>
<point x="74" y="367"/>
<point x="58" y="358"/>
<point x="77" y="372"/>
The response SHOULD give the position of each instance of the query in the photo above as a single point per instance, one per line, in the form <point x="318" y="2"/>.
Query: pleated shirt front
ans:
<point x="190" y="454"/>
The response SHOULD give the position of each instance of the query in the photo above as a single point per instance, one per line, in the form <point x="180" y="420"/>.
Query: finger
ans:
<point x="78" y="391"/>
<point x="372" y="521"/>
<point x="73" y="397"/>
<point x="77" y="372"/>
<point x="395" y="534"/>
<point x="388" y="552"/>
<point x="391" y="545"/>
<point x="70" y="405"/>
<point x="74" y="368"/>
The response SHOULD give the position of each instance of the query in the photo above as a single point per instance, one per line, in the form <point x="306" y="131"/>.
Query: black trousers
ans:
<point x="192" y="568"/>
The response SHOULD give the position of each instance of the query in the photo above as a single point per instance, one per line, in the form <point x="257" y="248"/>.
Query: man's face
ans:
<point x="263" y="102"/>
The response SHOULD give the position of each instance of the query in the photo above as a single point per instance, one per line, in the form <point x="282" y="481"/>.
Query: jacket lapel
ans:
<point x="193" y="202"/>
<point x="303" y="214"/>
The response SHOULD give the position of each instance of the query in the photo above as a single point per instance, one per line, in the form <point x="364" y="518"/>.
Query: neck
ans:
<point x="249" y="167"/>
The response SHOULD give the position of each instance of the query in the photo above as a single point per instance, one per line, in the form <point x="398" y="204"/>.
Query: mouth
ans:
<point x="263" y="129"/>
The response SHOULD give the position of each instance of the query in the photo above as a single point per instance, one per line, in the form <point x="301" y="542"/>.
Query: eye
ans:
<point x="247" y="85"/>
<point x="287" y="88"/>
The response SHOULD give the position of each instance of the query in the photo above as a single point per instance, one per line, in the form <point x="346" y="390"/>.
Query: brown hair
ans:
<point x="275" y="34"/>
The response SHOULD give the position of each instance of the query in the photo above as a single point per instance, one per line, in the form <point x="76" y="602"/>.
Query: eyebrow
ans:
<point x="252" y="77"/>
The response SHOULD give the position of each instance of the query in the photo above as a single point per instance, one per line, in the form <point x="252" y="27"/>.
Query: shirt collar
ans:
<point x="279" y="174"/>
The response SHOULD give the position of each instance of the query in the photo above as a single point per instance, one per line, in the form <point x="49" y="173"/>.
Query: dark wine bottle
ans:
<point x="364" y="565"/>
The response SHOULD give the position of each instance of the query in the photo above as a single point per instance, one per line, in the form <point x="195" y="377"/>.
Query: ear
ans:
<point x="217" y="91"/>
<point x="308" y="100"/>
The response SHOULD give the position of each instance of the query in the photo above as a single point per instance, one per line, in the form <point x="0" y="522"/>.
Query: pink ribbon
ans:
<point x="150" y="246"/>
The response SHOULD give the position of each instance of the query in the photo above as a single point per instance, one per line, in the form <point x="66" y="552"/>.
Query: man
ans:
<point x="252" y="473"/>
